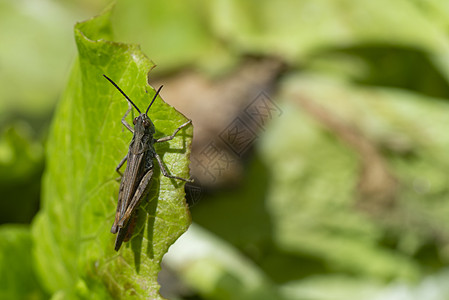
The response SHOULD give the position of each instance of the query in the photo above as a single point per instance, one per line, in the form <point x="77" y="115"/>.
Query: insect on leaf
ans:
<point x="74" y="248"/>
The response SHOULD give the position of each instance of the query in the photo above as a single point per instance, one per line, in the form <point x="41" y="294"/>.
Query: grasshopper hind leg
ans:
<point x="165" y="172"/>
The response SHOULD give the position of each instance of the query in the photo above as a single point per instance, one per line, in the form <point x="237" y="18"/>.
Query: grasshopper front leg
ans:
<point x="130" y="108"/>
<point x="170" y="137"/>
<point x="117" y="169"/>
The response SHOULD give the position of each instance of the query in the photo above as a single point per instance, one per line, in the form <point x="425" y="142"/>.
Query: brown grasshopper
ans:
<point x="135" y="181"/>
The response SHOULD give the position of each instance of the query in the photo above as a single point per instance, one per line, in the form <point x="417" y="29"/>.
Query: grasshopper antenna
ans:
<point x="154" y="98"/>
<point x="123" y="93"/>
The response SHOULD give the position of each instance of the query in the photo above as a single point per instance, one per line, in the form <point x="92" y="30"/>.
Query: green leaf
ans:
<point x="18" y="280"/>
<point x="74" y="248"/>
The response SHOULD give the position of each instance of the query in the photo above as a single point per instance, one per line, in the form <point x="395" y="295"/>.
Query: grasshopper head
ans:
<point x="143" y="123"/>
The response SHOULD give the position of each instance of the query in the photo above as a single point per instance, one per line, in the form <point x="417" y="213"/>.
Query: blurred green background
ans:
<point x="340" y="191"/>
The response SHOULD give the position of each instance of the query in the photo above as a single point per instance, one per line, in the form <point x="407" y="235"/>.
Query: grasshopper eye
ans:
<point x="135" y="121"/>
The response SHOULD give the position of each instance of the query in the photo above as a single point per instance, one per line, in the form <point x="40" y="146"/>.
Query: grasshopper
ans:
<point x="135" y="181"/>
